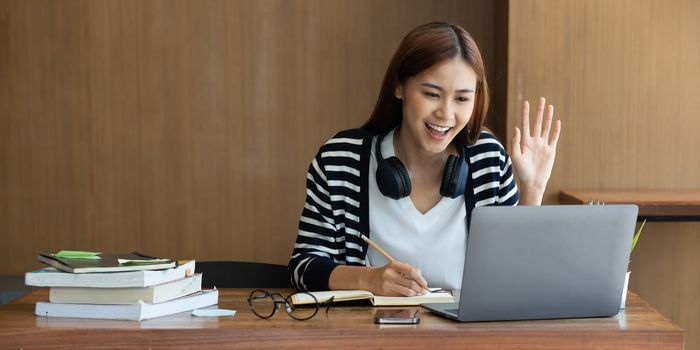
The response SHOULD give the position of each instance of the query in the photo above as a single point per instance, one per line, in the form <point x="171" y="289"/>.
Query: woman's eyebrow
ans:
<point x="438" y="87"/>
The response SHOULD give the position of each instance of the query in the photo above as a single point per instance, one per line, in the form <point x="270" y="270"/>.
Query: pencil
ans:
<point x="377" y="248"/>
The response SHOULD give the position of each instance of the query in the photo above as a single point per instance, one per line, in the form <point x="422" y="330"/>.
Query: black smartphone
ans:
<point x="396" y="316"/>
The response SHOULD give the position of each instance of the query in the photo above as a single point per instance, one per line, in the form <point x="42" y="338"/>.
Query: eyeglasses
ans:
<point x="264" y="304"/>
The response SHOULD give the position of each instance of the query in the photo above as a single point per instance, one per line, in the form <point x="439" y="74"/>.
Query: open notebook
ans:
<point x="376" y="300"/>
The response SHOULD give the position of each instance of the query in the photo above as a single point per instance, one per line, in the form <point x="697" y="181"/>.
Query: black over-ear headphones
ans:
<point x="394" y="182"/>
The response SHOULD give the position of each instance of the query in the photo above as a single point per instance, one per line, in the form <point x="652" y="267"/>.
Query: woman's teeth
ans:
<point x="437" y="129"/>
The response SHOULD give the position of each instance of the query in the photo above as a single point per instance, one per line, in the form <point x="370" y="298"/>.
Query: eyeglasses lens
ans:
<point x="301" y="312"/>
<point x="262" y="303"/>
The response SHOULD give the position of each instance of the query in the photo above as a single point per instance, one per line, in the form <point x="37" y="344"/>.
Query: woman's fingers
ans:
<point x="537" y="132"/>
<point x="412" y="288"/>
<point x="542" y="123"/>
<point x="555" y="134"/>
<point x="525" y="122"/>
<point x="409" y="272"/>
<point x="549" y="115"/>
<point x="402" y="290"/>
<point x="409" y="277"/>
<point x="417" y="276"/>
<point x="515" y="143"/>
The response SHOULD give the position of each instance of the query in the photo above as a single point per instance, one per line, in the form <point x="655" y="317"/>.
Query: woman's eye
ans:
<point x="463" y="99"/>
<point x="431" y="95"/>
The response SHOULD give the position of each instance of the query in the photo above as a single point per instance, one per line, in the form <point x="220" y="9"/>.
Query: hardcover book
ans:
<point x="137" y="311"/>
<point x="153" y="294"/>
<point x="51" y="277"/>
<point x="107" y="263"/>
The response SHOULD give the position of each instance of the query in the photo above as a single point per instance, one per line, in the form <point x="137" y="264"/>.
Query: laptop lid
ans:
<point x="539" y="262"/>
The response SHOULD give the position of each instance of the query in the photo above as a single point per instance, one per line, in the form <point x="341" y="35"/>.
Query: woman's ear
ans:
<point x="398" y="92"/>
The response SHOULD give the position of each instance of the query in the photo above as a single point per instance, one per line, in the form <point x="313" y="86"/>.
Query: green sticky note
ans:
<point x="213" y="312"/>
<point x="78" y="254"/>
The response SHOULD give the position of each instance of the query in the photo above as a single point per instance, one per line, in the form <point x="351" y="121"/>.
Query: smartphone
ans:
<point x="396" y="316"/>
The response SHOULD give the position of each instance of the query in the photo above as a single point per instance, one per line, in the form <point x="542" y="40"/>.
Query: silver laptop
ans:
<point x="542" y="262"/>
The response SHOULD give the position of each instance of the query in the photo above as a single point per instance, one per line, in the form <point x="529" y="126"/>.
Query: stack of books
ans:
<point x="118" y="287"/>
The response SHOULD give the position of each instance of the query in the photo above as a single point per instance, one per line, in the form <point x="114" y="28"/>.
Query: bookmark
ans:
<point x="213" y="312"/>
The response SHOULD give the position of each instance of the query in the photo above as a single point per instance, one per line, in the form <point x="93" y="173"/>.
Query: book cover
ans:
<point x="137" y="312"/>
<point x="376" y="300"/>
<point x="108" y="263"/>
<point x="51" y="277"/>
<point x="153" y="294"/>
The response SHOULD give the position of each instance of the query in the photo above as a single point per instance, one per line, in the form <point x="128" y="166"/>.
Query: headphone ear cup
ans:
<point x="446" y="188"/>
<point x="393" y="179"/>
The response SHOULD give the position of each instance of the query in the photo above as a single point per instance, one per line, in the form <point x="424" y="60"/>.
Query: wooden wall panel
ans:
<point x="624" y="78"/>
<point x="184" y="128"/>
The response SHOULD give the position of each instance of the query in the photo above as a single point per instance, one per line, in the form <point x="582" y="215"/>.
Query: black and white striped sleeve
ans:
<point x="494" y="181"/>
<point x="333" y="217"/>
<point x="508" y="193"/>
<point x="315" y="252"/>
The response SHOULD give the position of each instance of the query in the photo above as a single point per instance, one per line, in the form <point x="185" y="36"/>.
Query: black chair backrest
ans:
<point x="239" y="274"/>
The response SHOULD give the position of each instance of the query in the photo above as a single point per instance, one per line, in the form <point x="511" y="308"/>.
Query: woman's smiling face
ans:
<point x="437" y="104"/>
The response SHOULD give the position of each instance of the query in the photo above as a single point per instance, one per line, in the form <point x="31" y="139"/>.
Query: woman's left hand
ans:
<point x="533" y="152"/>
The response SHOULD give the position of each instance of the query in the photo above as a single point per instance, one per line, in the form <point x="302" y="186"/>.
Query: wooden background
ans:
<point x="185" y="128"/>
<point x="625" y="78"/>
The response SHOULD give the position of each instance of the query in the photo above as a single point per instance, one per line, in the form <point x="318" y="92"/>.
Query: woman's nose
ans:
<point x="445" y="110"/>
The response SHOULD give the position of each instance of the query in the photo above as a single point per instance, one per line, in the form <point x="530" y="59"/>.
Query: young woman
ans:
<point x="409" y="178"/>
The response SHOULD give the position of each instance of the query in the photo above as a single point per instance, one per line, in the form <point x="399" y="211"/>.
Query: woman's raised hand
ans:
<point x="533" y="151"/>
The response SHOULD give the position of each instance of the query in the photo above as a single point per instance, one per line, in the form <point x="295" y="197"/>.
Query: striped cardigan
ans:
<point x="336" y="210"/>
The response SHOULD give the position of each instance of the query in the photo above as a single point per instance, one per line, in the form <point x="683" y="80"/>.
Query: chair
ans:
<point x="12" y="287"/>
<point x="239" y="274"/>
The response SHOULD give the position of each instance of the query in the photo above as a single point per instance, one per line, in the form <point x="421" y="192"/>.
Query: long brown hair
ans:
<point x="420" y="49"/>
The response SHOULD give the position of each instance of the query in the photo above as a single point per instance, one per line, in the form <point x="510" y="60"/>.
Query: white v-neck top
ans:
<point x="434" y="242"/>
